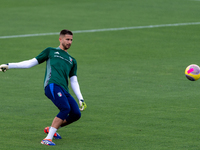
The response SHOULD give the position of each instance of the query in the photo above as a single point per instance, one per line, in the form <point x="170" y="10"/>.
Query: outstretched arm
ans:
<point x="22" y="65"/>
<point x="77" y="91"/>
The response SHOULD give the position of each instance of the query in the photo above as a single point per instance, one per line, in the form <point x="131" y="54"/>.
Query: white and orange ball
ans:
<point x="192" y="72"/>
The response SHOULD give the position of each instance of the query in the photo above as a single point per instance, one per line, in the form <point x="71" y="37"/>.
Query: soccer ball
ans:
<point x="192" y="72"/>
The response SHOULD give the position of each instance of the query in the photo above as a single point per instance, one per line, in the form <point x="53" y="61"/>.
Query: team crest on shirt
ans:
<point x="70" y="59"/>
<point x="59" y="94"/>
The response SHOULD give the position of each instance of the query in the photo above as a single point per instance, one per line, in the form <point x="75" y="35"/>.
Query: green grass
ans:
<point x="132" y="81"/>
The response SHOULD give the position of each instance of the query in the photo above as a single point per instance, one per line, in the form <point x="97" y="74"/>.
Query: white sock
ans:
<point x="51" y="133"/>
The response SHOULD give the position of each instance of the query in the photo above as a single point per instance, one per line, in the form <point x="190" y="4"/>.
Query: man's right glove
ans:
<point x="82" y="104"/>
<point x="3" y="67"/>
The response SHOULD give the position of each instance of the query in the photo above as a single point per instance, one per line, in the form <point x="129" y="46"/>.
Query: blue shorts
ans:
<point x="67" y="105"/>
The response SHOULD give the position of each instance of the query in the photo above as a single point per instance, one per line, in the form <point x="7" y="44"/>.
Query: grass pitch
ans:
<point x="132" y="80"/>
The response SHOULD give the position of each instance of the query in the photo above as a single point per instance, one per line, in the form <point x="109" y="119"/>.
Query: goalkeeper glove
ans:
<point x="82" y="104"/>
<point x="4" y="67"/>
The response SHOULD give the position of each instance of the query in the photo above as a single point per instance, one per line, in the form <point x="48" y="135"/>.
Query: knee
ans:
<point x="77" y="115"/>
<point x="73" y="116"/>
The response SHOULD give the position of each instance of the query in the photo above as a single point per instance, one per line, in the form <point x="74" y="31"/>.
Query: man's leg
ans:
<point x="57" y="122"/>
<point x="74" y="113"/>
<point x="54" y="127"/>
<point x="57" y="96"/>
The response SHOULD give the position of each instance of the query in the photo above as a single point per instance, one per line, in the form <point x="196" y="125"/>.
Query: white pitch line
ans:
<point x="103" y="30"/>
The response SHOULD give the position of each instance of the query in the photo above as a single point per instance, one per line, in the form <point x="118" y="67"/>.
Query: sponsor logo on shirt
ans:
<point x="70" y="61"/>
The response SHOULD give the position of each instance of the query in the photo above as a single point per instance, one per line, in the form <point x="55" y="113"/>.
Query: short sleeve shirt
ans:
<point x="59" y="66"/>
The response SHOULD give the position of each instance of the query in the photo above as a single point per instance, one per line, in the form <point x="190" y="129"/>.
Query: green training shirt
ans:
<point x="59" y="66"/>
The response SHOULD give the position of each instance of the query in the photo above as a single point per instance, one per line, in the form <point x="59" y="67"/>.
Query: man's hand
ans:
<point x="82" y="104"/>
<point x="3" y="67"/>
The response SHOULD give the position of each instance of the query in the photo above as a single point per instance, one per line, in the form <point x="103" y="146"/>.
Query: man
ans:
<point x="59" y="67"/>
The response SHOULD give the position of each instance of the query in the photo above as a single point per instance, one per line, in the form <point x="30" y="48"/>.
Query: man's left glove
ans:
<point x="82" y="104"/>
<point x="4" y="67"/>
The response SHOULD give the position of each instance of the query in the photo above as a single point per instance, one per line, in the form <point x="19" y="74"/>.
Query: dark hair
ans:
<point x="63" y="32"/>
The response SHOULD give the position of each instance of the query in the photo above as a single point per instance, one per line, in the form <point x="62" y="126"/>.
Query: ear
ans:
<point x="60" y="39"/>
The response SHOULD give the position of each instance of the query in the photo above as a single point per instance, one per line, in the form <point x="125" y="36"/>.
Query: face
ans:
<point x="65" y="41"/>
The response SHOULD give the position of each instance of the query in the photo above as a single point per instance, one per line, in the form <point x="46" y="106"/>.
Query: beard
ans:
<point x="67" y="46"/>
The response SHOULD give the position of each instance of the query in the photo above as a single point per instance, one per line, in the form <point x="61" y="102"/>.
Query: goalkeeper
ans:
<point x="59" y="67"/>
